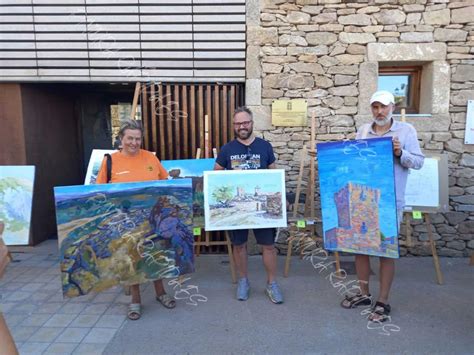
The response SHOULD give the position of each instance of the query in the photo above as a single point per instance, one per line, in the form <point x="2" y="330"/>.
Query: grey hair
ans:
<point x="243" y="109"/>
<point x="130" y="124"/>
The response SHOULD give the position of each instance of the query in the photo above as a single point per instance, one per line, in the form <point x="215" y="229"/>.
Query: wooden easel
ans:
<point x="207" y="242"/>
<point x="427" y="220"/>
<point x="309" y="201"/>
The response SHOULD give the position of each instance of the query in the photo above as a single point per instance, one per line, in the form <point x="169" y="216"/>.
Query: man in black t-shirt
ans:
<point x="249" y="152"/>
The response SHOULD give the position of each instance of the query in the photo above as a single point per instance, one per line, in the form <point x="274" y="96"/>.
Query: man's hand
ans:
<point x="397" y="147"/>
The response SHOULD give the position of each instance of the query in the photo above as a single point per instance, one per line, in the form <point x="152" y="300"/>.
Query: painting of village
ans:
<point x="193" y="169"/>
<point x="244" y="199"/>
<point x="16" y="200"/>
<point x="124" y="233"/>
<point x="358" y="200"/>
<point x="95" y="161"/>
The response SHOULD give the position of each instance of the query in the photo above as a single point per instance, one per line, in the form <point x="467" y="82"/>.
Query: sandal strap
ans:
<point x="382" y="308"/>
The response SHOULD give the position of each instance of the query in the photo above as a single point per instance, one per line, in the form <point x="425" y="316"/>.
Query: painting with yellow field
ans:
<point x="126" y="233"/>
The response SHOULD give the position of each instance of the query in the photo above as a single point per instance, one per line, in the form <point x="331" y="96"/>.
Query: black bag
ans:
<point x="109" y="167"/>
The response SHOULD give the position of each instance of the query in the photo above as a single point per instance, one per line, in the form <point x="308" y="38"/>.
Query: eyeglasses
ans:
<point x="243" y="123"/>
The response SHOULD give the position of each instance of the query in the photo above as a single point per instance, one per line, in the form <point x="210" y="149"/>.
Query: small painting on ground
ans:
<point x="16" y="200"/>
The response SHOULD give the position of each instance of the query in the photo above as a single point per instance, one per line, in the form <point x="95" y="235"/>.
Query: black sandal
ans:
<point x="357" y="300"/>
<point x="380" y="312"/>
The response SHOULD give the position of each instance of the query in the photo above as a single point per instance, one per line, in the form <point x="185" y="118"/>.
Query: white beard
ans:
<point x="383" y="122"/>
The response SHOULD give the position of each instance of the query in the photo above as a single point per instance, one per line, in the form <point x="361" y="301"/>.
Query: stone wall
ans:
<point x="329" y="51"/>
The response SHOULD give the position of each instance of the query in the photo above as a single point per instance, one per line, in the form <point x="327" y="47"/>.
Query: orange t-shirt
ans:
<point x="144" y="166"/>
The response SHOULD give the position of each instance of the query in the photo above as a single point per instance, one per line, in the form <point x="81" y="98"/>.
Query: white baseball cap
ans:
<point x="382" y="96"/>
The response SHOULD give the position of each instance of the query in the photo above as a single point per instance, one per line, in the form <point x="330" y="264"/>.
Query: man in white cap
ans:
<point x="407" y="155"/>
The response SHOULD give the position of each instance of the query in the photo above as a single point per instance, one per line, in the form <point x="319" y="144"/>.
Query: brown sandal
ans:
<point x="357" y="300"/>
<point x="380" y="312"/>
<point x="166" y="300"/>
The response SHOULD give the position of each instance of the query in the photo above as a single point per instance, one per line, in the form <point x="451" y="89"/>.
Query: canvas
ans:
<point x="16" y="200"/>
<point x="194" y="169"/>
<point x="244" y="199"/>
<point x="125" y="233"/>
<point x="95" y="162"/>
<point x="358" y="200"/>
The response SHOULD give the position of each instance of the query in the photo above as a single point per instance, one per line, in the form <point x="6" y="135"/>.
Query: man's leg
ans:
<point x="159" y="288"/>
<point x="362" y="264"/>
<point x="135" y="292"/>
<point x="270" y="262"/>
<point x="239" y="242"/>
<point x="240" y="258"/>
<point x="266" y="238"/>
<point x="387" y="272"/>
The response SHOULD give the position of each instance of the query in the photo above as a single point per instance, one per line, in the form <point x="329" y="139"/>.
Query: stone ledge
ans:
<point x="389" y="52"/>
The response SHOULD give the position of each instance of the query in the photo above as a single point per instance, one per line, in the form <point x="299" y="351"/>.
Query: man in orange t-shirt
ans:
<point x="133" y="164"/>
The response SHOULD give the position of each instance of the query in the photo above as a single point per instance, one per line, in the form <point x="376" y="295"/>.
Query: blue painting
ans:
<point x="358" y="200"/>
<point x="16" y="199"/>
<point x="194" y="169"/>
<point x="125" y="233"/>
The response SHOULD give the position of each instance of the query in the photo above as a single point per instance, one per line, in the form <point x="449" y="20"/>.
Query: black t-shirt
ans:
<point x="235" y="155"/>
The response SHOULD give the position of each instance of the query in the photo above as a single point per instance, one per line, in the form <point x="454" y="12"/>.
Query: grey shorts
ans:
<point x="264" y="236"/>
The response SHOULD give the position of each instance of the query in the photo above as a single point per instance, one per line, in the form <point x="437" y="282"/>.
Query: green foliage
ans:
<point x="222" y="193"/>
<point x="382" y="236"/>
<point x="199" y="197"/>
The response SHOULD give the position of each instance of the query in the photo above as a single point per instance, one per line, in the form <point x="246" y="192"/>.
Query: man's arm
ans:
<point x="411" y="155"/>
<point x="272" y="166"/>
<point x="218" y="167"/>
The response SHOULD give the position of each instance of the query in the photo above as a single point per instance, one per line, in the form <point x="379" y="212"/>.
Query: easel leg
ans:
<point x="231" y="258"/>
<point x="197" y="248"/>
<point x="407" y="223"/>
<point x="126" y="290"/>
<point x="288" y="257"/>
<point x="472" y="260"/>
<point x="338" y="263"/>
<point x="439" y="275"/>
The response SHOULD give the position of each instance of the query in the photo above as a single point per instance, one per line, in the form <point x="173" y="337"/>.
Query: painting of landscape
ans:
<point x="358" y="203"/>
<point x="125" y="233"/>
<point x="16" y="199"/>
<point x="193" y="169"/>
<point x="244" y="199"/>
<point x="95" y="161"/>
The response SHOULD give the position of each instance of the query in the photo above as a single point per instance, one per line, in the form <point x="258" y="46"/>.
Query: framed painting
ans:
<point x="193" y="169"/>
<point x="124" y="233"/>
<point x="358" y="201"/>
<point x="244" y="199"/>
<point x="16" y="200"/>
<point x="97" y="156"/>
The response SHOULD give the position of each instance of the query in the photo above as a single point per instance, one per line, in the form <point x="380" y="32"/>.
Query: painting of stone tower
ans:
<point x="357" y="190"/>
<point x="358" y="218"/>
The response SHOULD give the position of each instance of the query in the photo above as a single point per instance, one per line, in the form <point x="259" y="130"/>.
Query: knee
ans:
<point x="240" y="247"/>
<point x="268" y="248"/>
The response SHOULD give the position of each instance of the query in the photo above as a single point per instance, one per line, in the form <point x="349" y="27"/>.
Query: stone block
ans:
<point x="298" y="18"/>
<point x="416" y="37"/>
<point x="358" y="38"/>
<point x="390" y="17"/>
<point x="259" y="36"/>
<point x="358" y="20"/>
<point x="449" y="35"/>
<point x="462" y="15"/>
<point x="253" y="92"/>
<point x="440" y="17"/>
<point x="317" y="38"/>
<point x="464" y="72"/>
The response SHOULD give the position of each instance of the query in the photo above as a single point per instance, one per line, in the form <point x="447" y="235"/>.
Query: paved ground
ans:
<point x="427" y="318"/>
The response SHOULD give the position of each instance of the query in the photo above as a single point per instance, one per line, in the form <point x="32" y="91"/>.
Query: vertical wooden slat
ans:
<point x="200" y="118"/>
<point x="225" y="119"/>
<point x="185" y="118"/>
<point x="232" y="110"/>
<point x="176" y="107"/>
<point x="145" y="118"/>
<point x="209" y="113"/>
<point x="162" y="123"/>
<point x="216" y="127"/>
<point x="192" y="119"/>
<point x="154" y="135"/>
<point x="169" y="125"/>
